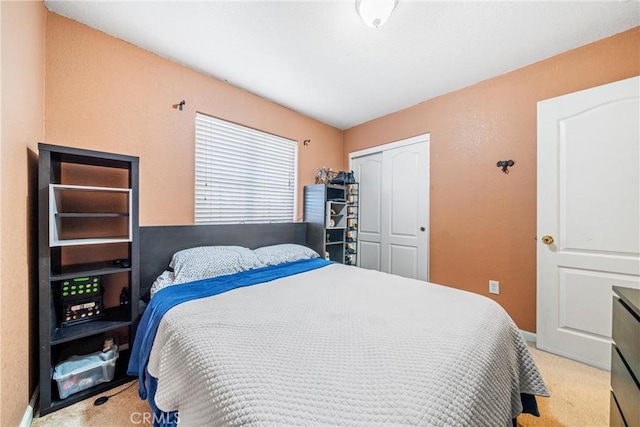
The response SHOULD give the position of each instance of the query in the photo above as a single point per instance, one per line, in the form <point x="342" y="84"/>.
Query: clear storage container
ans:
<point x="82" y="372"/>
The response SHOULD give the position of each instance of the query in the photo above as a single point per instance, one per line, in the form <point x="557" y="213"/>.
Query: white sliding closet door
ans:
<point x="394" y="207"/>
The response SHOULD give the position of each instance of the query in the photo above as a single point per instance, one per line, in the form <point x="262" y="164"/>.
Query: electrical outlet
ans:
<point x="494" y="287"/>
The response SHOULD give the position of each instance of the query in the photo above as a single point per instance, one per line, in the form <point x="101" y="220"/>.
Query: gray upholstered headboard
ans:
<point x="159" y="243"/>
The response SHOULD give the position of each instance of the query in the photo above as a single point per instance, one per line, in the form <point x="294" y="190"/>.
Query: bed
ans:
<point x="315" y="343"/>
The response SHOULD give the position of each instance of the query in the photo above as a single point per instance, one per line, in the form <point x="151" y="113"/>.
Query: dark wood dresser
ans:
<point x="625" y="359"/>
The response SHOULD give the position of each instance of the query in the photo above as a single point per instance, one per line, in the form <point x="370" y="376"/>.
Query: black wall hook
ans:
<point x="504" y="164"/>
<point x="179" y="105"/>
<point x="306" y="142"/>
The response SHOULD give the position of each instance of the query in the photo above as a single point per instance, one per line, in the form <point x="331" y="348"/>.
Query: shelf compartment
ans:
<point x="334" y="236"/>
<point x="336" y="213"/>
<point x="120" y="377"/>
<point x="88" y="269"/>
<point x="86" y="215"/>
<point x="115" y="318"/>
<point x="337" y="193"/>
<point x="336" y="252"/>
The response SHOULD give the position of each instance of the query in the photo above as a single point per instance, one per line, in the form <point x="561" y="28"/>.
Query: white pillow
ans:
<point x="164" y="280"/>
<point x="286" y="252"/>
<point x="210" y="261"/>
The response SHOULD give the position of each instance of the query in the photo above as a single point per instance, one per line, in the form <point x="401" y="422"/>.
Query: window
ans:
<point x="243" y="174"/>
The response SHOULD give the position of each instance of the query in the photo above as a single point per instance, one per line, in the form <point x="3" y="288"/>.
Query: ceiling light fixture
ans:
<point x="375" y="13"/>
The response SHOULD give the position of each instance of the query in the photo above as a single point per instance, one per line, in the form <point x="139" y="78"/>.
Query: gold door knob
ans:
<point x="547" y="240"/>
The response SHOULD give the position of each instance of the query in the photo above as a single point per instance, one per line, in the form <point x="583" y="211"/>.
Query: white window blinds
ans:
<point x="242" y="174"/>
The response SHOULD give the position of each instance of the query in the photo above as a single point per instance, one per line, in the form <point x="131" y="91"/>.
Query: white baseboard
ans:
<point x="27" y="418"/>
<point x="529" y="336"/>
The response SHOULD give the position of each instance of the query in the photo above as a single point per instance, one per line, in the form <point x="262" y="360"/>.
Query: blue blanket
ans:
<point x="168" y="298"/>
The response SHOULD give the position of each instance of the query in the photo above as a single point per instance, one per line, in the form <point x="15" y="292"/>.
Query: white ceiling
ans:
<point x="320" y="59"/>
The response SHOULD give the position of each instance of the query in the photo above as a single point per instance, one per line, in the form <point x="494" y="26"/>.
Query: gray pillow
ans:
<point x="286" y="252"/>
<point x="211" y="261"/>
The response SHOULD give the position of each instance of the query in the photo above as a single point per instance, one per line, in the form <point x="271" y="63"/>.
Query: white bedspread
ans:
<point x="342" y="346"/>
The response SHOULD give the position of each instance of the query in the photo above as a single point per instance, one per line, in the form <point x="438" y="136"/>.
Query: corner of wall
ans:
<point x="23" y="31"/>
<point x="1" y="209"/>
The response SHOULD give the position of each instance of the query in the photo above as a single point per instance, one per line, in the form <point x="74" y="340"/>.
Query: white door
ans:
<point x="589" y="204"/>
<point x="394" y="207"/>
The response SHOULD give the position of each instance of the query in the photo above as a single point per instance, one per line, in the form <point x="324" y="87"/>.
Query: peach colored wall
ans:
<point x="23" y="40"/>
<point x="103" y="93"/>
<point x="483" y="222"/>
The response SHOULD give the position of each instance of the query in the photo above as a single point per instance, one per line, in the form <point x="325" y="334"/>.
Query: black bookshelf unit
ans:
<point x="331" y="211"/>
<point x="88" y="228"/>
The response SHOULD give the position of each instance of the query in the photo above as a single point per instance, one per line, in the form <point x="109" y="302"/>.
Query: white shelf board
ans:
<point x="93" y="241"/>
<point x="89" y="188"/>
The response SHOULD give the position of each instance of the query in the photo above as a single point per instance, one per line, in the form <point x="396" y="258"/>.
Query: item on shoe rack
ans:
<point x="323" y="174"/>
<point x="351" y="179"/>
<point x="343" y="178"/>
<point x="339" y="178"/>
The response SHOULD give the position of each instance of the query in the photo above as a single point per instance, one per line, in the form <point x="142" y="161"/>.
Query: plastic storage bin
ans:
<point x="82" y="372"/>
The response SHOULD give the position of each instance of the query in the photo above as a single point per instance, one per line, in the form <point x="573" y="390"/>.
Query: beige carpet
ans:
<point x="579" y="397"/>
<point x="579" y="394"/>
<point x="125" y="409"/>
